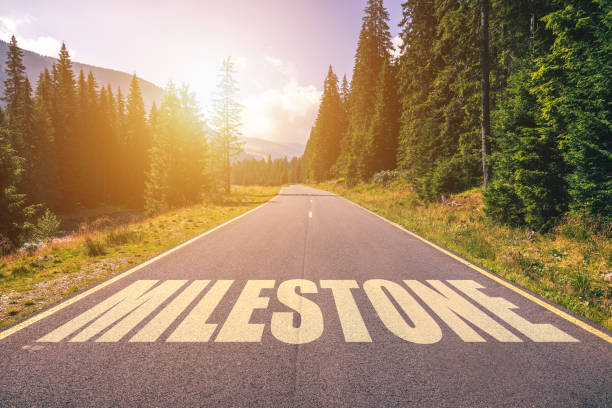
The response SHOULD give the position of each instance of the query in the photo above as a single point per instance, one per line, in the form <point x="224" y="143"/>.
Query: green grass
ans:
<point x="30" y="281"/>
<point x="566" y="265"/>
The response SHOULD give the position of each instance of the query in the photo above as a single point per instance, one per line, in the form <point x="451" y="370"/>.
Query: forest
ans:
<point x="70" y="143"/>
<point x="511" y="96"/>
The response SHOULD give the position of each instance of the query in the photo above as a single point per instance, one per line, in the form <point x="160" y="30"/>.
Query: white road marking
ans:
<point x="309" y="214"/>
<point x="139" y="303"/>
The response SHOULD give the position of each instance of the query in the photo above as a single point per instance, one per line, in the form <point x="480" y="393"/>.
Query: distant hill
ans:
<point x="36" y="63"/>
<point x="260" y="149"/>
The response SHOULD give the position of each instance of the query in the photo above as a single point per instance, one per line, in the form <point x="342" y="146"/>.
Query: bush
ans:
<point x="46" y="227"/>
<point x="94" y="247"/>
<point x="123" y="236"/>
<point x="386" y="177"/>
<point x="6" y="246"/>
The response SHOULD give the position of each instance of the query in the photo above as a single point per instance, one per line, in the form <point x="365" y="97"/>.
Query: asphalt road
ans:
<point x="384" y="320"/>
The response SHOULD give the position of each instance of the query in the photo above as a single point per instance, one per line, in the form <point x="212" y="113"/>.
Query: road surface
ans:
<point x="307" y="301"/>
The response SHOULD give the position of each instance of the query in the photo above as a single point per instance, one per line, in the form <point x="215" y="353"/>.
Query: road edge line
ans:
<point x="67" y="302"/>
<point x="512" y="286"/>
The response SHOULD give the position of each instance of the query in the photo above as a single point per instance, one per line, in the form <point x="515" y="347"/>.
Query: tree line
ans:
<point x="71" y="143"/>
<point x="250" y="171"/>
<point x="512" y="94"/>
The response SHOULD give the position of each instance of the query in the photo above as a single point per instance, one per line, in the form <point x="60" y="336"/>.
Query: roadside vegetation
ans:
<point x="32" y="279"/>
<point x="567" y="264"/>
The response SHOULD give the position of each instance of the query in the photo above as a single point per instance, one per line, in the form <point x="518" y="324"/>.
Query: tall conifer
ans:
<point x="227" y="123"/>
<point x="372" y="52"/>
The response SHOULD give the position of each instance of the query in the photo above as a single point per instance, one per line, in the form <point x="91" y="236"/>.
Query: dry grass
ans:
<point x="566" y="265"/>
<point x="98" y="249"/>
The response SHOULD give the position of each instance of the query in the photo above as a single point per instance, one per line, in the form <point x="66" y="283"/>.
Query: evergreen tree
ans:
<point x="67" y="142"/>
<point x="345" y="94"/>
<point x="227" y="124"/>
<point x="372" y="53"/>
<point x="179" y="158"/>
<point x="85" y="108"/>
<point x="574" y="90"/>
<point x="323" y="148"/>
<point x="14" y="214"/>
<point x="382" y="138"/>
<point x="528" y="185"/>
<point x="97" y="137"/>
<point x="441" y="121"/>
<point x="138" y="144"/>
<point x="14" y="93"/>
<point x="28" y="138"/>
<point x="43" y="167"/>
<point x="2" y="119"/>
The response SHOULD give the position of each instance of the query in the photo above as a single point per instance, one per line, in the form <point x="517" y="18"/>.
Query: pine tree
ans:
<point x="227" y="124"/>
<point x="440" y="143"/>
<point x="382" y="137"/>
<point x="323" y="148"/>
<point x="109" y="146"/>
<point x="345" y="94"/>
<point x="574" y="90"/>
<point x="120" y="153"/>
<point x="84" y="136"/>
<point x="528" y="185"/>
<point x="14" y="214"/>
<point x="97" y="138"/>
<point x="13" y="94"/>
<point x="485" y="122"/>
<point x="29" y="139"/>
<point x="179" y="160"/>
<point x="372" y="52"/>
<point x="67" y="142"/>
<point x="138" y="144"/>
<point x="2" y="119"/>
<point x="43" y="170"/>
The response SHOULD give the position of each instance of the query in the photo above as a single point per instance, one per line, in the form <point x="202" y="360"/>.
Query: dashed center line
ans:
<point x="309" y="214"/>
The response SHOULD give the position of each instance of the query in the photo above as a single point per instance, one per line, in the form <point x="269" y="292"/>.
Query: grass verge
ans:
<point x="31" y="281"/>
<point x="566" y="265"/>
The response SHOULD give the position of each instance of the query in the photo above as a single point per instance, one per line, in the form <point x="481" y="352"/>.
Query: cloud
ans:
<point x="286" y="68"/>
<point x="397" y="43"/>
<point x="283" y="114"/>
<point x="44" y="45"/>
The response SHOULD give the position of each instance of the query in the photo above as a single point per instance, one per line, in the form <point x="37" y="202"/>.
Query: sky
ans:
<point x="282" y="48"/>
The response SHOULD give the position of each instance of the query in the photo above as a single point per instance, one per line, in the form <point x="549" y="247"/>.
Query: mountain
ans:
<point x="260" y="149"/>
<point x="36" y="63"/>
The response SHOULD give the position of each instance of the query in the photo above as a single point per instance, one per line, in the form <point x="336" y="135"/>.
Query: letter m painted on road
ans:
<point x="128" y="307"/>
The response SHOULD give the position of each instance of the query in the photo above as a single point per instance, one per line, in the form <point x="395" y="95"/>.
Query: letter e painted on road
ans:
<point x="425" y="330"/>
<point x="237" y="327"/>
<point x="311" y="326"/>
<point x="451" y="307"/>
<point x="503" y="309"/>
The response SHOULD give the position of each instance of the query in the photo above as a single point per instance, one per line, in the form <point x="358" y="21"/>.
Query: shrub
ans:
<point x="6" y="246"/>
<point x="123" y="236"/>
<point x="94" y="247"/>
<point x="46" y="227"/>
<point x="386" y="177"/>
